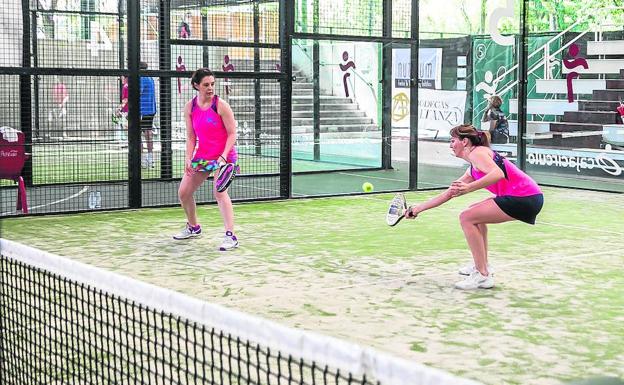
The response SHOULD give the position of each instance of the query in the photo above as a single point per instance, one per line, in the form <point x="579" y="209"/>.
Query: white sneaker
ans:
<point x="229" y="241"/>
<point x="475" y="281"/>
<point x="469" y="269"/>
<point x="188" y="232"/>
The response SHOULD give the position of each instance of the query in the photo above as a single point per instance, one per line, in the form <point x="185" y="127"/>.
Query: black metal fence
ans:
<point x="74" y="74"/>
<point x="63" y="87"/>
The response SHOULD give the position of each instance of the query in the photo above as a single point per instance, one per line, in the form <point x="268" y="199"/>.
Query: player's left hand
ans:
<point x="459" y="188"/>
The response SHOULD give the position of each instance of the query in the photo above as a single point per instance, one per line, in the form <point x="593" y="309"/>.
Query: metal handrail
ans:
<point x="547" y="54"/>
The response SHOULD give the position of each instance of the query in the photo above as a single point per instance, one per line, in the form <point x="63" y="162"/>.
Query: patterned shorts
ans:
<point x="205" y="165"/>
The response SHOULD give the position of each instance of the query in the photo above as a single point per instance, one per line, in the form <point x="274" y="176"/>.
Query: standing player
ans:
<point x="122" y="111"/>
<point x="57" y="116"/>
<point x="498" y="125"/>
<point x="148" y="111"/>
<point x="516" y="197"/>
<point x="210" y="138"/>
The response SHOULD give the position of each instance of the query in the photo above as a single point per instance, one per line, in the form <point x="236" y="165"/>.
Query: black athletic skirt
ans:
<point x="524" y="209"/>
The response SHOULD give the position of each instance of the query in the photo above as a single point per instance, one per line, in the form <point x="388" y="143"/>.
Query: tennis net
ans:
<point x="64" y="322"/>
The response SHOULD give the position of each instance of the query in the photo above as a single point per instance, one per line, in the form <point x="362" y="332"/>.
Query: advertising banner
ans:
<point x="606" y="164"/>
<point x="439" y="111"/>
<point x="430" y="77"/>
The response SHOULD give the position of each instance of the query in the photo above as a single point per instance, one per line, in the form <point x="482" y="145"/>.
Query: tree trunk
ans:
<point x="483" y="16"/>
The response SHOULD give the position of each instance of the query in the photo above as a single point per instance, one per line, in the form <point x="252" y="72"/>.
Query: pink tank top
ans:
<point x="516" y="183"/>
<point x="210" y="131"/>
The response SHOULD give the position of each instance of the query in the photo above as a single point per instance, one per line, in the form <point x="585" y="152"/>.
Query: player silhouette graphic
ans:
<point x="571" y="64"/>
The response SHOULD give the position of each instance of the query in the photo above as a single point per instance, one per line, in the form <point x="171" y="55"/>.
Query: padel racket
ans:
<point x="397" y="210"/>
<point x="226" y="175"/>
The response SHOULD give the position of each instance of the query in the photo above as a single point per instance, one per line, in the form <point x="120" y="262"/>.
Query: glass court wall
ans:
<point x="327" y="95"/>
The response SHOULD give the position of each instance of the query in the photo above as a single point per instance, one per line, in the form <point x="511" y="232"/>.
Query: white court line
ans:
<point x="267" y="189"/>
<point x="581" y="228"/>
<point x="372" y="177"/>
<point x="79" y="193"/>
<point x="390" y="179"/>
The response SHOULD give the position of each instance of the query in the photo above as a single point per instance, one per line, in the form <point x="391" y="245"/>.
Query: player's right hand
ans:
<point x="188" y="167"/>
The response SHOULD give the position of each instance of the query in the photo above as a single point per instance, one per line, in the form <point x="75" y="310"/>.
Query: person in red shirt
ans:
<point x="58" y="113"/>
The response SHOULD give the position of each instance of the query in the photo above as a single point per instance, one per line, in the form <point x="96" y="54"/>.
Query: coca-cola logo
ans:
<point x="8" y="154"/>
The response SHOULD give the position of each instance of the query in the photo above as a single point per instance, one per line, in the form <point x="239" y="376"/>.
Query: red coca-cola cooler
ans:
<point x="12" y="158"/>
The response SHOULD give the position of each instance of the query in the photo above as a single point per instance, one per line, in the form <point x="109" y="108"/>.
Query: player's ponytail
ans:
<point x="476" y="137"/>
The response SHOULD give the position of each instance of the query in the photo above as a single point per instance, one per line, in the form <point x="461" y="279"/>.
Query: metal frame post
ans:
<point x="166" y="95"/>
<point x="413" y="141"/>
<point x="523" y="49"/>
<point x="257" y="85"/>
<point x="287" y="23"/>
<point x="134" y="112"/>
<point x="25" y="97"/>
<point x="316" y="84"/>
<point x="386" y="89"/>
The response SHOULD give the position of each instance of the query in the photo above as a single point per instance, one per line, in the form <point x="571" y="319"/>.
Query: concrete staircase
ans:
<point x="584" y="128"/>
<point x="338" y="114"/>
<point x="592" y="120"/>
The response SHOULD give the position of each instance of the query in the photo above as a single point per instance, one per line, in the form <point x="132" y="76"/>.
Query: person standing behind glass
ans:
<point x="184" y="29"/>
<point x="148" y="111"/>
<point x="121" y="113"/>
<point x="499" y="127"/>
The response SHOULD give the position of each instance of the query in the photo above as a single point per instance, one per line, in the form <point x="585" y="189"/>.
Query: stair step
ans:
<point x="573" y="127"/>
<point x="301" y="99"/>
<point x="580" y="139"/>
<point x="544" y="106"/>
<point x="350" y="109"/>
<point x="532" y="127"/>
<point x="336" y="128"/>
<point x="559" y="86"/>
<point x="615" y="84"/>
<point x="251" y="114"/>
<point x="357" y="136"/>
<point x="332" y="121"/>
<point x="296" y="99"/>
<point x="325" y="107"/>
<point x="598" y="66"/>
<point x="304" y="85"/>
<point x="301" y="91"/>
<point x="609" y="94"/>
<point x="597" y="105"/>
<point x="605" y="47"/>
<point x="328" y="113"/>
<point x="592" y="117"/>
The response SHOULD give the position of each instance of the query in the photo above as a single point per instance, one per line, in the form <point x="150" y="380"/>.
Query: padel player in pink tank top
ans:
<point x="210" y="141"/>
<point x="516" y="197"/>
<point x="515" y="183"/>
<point x="211" y="136"/>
